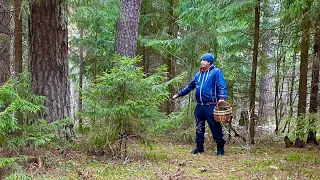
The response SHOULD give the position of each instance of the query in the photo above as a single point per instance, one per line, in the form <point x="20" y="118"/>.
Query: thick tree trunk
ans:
<point x="126" y="40"/>
<point x="17" y="37"/>
<point x="48" y="56"/>
<point x="127" y="28"/>
<point x="5" y="32"/>
<point x="304" y="46"/>
<point x="254" y="70"/>
<point x="264" y="84"/>
<point x="315" y="83"/>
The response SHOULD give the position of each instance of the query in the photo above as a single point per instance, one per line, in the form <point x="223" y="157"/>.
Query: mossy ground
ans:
<point x="173" y="161"/>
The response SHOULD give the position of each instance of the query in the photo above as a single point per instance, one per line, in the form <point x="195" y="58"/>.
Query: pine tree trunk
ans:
<point x="276" y="95"/>
<point x="17" y="37"/>
<point x="279" y="92"/>
<point x="170" y="106"/>
<point x="127" y="28"/>
<point x="145" y="57"/>
<point x="264" y="93"/>
<point x="315" y="83"/>
<point x="291" y="89"/>
<point x="282" y="96"/>
<point x="304" y="46"/>
<point x="277" y="80"/>
<point x="262" y="98"/>
<point x="126" y="40"/>
<point x="5" y="32"/>
<point x="80" y="109"/>
<point x="48" y="56"/>
<point x="18" y="46"/>
<point x="254" y="70"/>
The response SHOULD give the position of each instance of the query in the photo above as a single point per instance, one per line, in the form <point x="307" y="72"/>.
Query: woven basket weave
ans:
<point x="222" y="112"/>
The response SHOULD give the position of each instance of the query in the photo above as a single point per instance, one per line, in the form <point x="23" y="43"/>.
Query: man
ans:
<point x="210" y="88"/>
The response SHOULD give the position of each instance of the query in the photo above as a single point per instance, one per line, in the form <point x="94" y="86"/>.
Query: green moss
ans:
<point x="312" y="157"/>
<point x="165" y="160"/>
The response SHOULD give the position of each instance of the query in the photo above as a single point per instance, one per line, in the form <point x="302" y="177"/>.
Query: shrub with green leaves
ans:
<point x="304" y="126"/>
<point x="124" y="100"/>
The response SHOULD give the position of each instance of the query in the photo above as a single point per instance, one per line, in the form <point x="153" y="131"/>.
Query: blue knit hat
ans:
<point x="208" y="57"/>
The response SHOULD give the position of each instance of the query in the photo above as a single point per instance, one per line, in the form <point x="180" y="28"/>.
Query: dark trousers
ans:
<point x="203" y="113"/>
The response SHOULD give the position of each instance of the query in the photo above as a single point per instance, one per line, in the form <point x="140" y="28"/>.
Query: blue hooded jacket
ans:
<point x="210" y="86"/>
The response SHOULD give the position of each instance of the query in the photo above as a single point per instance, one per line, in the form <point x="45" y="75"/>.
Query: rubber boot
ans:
<point x="220" y="149"/>
<point x="199" y="148"/>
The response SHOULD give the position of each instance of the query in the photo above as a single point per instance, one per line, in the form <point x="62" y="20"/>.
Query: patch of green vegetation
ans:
<point x="230" y="177"/>
<point x="18" y="176"/>
<point x="166" y="160"/>
<point x="238" y="150"/>
<point x="154" y="156"/>
<point x="312" y="157"/>
<point x="279" y="163"/>
<point x="6" y="161"/>
<point x="118" y="171"/>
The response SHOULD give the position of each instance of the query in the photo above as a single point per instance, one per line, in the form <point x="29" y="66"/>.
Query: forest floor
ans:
<point x="165" y="160"/>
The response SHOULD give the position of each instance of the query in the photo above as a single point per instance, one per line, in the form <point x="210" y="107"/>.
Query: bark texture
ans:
<point x="312" y="138"/>
<point x="4" y="41"/>
<point x="48" y="56"/>
<point x="254" y="69"/>
<point x="127" y="28"/>
<point x="17" y="37"/>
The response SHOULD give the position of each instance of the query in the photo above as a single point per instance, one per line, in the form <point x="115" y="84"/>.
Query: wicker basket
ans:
<point x="222" y="112"/>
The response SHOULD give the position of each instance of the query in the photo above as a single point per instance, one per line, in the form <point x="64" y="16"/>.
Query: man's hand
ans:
<point x="175" y="96"/>
<point x="221" y="100"/>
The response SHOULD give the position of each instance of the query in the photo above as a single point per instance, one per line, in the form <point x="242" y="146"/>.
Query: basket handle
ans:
<point x="223" y="102"/>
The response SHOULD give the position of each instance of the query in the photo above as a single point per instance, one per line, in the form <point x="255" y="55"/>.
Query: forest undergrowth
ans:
<point x="168" y="159"/>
